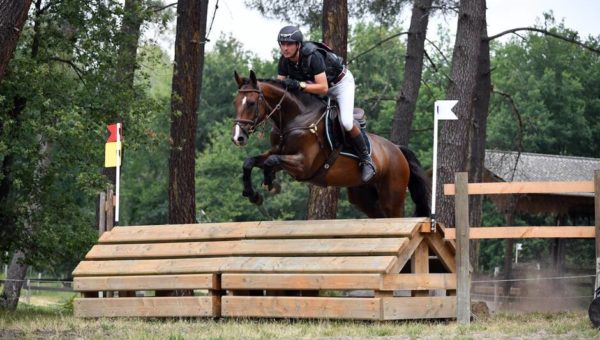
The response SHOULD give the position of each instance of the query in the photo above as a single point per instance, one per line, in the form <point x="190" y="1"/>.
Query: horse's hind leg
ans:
<point x="391" y="201"/>
<point x="366" y="199"/>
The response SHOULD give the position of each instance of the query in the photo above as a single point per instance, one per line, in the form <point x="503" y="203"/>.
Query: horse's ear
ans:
<point x="253" y="78"/>
<point x="238" y="79"/>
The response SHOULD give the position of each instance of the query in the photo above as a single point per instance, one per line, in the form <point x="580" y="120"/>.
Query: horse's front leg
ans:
<point x="249" y="163"/>
<point x="293" y="164"/>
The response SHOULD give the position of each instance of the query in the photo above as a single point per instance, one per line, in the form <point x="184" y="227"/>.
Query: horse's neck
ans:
<point x="293" y="112"/>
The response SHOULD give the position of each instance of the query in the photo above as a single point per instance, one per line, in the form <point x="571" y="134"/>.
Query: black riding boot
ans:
<point x="367" y="167"/>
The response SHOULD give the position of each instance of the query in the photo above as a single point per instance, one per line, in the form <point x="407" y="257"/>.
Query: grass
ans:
<point x="49" y="315"/>
<point x="57" y="322"/>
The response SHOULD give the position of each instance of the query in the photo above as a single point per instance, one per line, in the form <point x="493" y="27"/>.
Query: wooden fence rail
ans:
<point x="462" y="232"/>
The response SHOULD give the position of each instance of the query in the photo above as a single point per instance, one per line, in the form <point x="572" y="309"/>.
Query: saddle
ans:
<point x="335" y="134"/>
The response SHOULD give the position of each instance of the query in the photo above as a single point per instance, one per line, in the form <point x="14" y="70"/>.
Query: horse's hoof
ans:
<point x="275" y="188"/>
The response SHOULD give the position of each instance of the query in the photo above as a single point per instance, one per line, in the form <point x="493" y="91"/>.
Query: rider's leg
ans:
<point x="367" y="167"/>
<point x="344" y="93"/>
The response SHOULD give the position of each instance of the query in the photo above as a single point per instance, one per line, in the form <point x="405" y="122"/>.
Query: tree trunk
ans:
<point x="322" y="202"/>
<point x="130" y="36"/>
<point x="455" y="134"/>
<point x="478" y="133"/>
<point x="9" y="299"/>
<point x="203" y="19"/>
<point x="13" y="14"/>
<point x="406" y="101"/>
<point x="184" y="107"/>
<point x="17" y="269"/>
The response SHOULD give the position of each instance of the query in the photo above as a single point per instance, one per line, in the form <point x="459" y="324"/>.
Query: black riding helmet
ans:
<point x="290" y="34"/>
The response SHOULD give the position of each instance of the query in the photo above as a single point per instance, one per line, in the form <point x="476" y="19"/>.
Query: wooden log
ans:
<point x="302" y="307"/>
<point x="525" y="232"/>
<point x="145" y="307"/>
<point x="430" y="307"/>
<point x="154" y="282"/>
<point x="497" y="188"/>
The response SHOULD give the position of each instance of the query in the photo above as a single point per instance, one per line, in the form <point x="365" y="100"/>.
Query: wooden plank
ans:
<point x="150" y="267"/>
<point x="396" y="227"/>
<point x="424" y="281"/>
<point x="334" y="264"/>
<point x="461" y="208"/>
<point x="175" y="232"/>
<point x="302" y="307"/>
<point x="389" y="227"/>
<point x="301" y="281"/>
<point x="525" y="232"/>
<point x="444" y="251"/>
<point x="524" y="188"/>
<point x="155" y="282"/>
<point x="294" y="247"/>
<point x="145" y="307"/>
<point x="431" y="307"/>
<point x="405" y="253"/>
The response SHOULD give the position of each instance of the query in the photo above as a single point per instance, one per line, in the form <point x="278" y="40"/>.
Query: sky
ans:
<point x="259" y="34"/>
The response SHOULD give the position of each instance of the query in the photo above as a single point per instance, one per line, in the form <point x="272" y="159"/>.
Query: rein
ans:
<point x="254" y="124"/>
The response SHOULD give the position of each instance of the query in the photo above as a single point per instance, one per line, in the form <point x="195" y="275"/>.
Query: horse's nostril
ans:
<point x="240" y="139"/>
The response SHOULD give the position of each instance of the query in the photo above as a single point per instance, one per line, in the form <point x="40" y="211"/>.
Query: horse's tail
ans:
<point x="418" y="184"/>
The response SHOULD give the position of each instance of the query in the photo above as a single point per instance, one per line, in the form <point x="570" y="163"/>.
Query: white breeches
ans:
<point x="343" y="92"/>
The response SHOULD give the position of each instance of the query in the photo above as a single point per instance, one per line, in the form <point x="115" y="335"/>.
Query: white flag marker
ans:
<point x="442" y="111"/>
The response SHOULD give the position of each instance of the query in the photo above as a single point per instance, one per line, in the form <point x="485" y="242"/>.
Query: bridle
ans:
<point x="254" y="123"/>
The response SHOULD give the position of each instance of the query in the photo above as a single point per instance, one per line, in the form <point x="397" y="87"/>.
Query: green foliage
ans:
<point x="218" y="172"/>
<point x="57" y="99"/>
<point x="551" y="83"/>
<point x="378" y="74"/>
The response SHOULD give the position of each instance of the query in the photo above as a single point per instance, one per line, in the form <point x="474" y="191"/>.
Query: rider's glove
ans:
<point x="291" y="84"/>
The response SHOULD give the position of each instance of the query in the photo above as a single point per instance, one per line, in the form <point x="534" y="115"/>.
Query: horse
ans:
<point x="298" y="147"/>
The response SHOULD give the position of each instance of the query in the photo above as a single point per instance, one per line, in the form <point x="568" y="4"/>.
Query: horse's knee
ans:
<point x="272" y="161"/>
<point x="249" y="163"/>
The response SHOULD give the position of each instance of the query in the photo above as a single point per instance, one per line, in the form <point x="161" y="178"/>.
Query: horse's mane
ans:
<point x="303" y="99"/>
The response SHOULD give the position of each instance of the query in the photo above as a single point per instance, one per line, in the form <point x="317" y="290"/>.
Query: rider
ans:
<point x="319" y="78"/>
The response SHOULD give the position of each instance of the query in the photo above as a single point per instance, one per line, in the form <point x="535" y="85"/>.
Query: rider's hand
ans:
<point x="291" y="84"/>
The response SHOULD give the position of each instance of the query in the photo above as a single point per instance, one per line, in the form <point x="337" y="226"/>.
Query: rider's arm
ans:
<point x="320" y="85"/>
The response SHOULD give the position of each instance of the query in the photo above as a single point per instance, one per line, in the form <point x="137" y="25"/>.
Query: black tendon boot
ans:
<point x="367" y="168"/>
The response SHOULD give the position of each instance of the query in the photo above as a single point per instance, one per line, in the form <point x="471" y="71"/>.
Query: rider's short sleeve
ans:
<point x="317" y="63"/>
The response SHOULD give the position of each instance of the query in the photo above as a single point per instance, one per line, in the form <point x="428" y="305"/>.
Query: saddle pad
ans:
<point x="333" y="133"/>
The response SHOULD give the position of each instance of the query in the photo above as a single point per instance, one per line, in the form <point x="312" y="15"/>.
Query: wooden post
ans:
<point x="110" y="210"/>
<point x="594" y="309"/>
<point x="597" y="221"/>
<point x="101" y="213"/>
<point x="419" y="264"/>
<point x="463" y="291"/>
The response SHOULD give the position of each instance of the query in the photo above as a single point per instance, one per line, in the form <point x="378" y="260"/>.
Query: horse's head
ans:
<point x="251" y="108"/>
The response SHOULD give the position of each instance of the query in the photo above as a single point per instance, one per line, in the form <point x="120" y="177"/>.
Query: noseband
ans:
<point x="254" y="123"/>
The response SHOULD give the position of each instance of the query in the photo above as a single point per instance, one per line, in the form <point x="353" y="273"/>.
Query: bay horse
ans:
<point x="298" y="147"/>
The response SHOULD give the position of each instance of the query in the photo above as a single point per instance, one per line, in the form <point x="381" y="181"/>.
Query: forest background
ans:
<point x="66" y="82"/>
